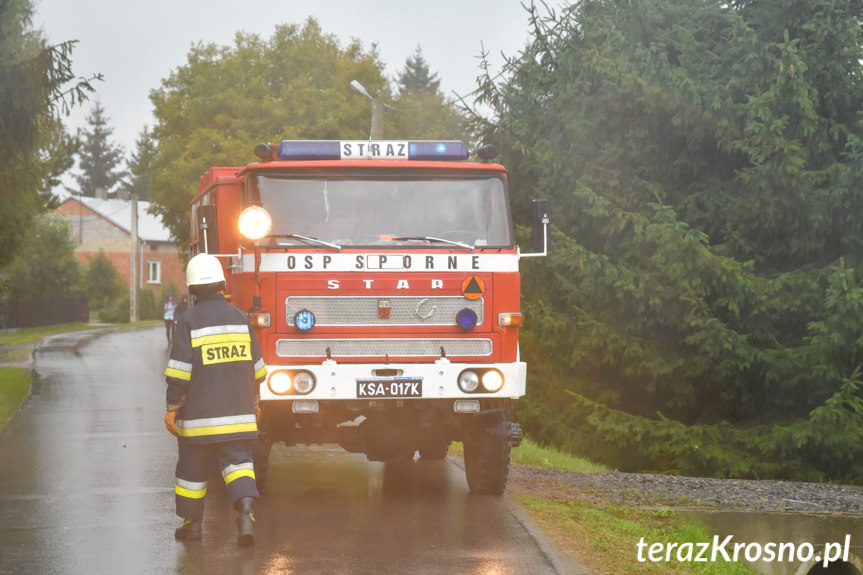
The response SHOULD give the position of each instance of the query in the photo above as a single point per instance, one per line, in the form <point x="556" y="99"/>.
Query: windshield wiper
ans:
<point x="307" y="239"/>
<point x="432" y="239"/>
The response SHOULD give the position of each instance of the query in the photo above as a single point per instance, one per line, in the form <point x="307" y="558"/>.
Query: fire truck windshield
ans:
<point x="460" y="211"/>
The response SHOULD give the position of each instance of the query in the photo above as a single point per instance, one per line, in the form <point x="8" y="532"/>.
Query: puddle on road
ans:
<point x="787" y="543"/>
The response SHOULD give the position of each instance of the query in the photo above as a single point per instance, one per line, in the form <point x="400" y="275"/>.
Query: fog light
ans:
<point x="304" y="382"/>
<point x="280" y="382"/>
<point x="305" y="406"/>
<point x="468" y="381"/>
<point x="492" y="380"/>
<point x="466" y="406"/>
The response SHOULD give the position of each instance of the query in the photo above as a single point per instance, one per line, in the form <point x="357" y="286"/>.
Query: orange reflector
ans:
<point x="259" y="319"/>
<point x="510" y="319"/>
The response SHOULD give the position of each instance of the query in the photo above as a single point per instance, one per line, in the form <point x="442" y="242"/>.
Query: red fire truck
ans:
<point x="382" y="278"/>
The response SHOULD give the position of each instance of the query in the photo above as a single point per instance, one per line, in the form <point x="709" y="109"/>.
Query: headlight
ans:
<point x="255" y="222"/>
<point x="280" y="382"/>
<point x="285" y="382"/>
<point x="468" y="381"/>
<point x="304" y="382"/>
<point x="492" y="380"/>
<point x="478" y="380"/>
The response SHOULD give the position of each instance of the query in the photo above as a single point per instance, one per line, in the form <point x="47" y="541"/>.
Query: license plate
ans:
<point x="390" y="387"/>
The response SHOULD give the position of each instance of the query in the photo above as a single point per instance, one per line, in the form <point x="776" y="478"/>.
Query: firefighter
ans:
<point x="213" y="378"/>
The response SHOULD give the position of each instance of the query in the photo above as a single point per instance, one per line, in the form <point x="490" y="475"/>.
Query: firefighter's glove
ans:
<point x="257" y="411"/>
<point x="171" y="421"/>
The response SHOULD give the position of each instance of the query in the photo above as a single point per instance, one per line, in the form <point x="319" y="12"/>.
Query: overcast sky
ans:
<point x="135" y="44"/>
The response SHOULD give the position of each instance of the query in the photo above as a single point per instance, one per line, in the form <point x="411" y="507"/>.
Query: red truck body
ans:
<point x="385" y="294"/>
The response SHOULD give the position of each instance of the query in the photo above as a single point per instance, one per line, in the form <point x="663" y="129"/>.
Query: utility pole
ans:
<point x="377" y="130"/>
<point x="133" y="257"/>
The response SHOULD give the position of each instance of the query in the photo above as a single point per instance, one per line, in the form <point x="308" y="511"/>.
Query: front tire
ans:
<point x="486" y="458"/>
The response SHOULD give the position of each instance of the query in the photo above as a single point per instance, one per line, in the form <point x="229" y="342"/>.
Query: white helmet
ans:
<point x="204" y="269"/>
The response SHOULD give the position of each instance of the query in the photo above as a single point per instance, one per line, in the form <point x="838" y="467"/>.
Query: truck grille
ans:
<point x="400" y="347"/>
<point x="366" y="310"/>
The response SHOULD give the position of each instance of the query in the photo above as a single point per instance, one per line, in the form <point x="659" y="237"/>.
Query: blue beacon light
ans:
<point x="304" y="320"/>
<point x="466" y="319"/>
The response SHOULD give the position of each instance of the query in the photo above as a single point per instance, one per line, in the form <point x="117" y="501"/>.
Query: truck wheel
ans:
<point x="433" y="451"/>
<point x="486" y="458"/>
<point x="261" y="459"/>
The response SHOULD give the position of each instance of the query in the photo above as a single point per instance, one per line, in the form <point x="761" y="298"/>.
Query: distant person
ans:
<point x="213" y="378"/>
<point x="168" y="309"/>
<point x="181" y="309"/>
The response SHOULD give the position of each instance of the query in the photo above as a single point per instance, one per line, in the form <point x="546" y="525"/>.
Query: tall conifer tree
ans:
<point x="99" y="158"/>
<point x="704" y="162"/>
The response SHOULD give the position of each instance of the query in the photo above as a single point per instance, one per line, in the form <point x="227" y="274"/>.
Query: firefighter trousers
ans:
<point x="234" y="459"/>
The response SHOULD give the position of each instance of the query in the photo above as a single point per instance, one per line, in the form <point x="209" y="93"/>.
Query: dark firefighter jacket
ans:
<point x="214" y="373"/>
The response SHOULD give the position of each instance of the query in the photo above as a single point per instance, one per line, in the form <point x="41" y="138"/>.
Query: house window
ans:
<point x="154" y="272"/>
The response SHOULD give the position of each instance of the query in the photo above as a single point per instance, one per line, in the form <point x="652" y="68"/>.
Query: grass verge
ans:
<point x="604" y="539"/>
<point x="32" y="335"/>
<point x="14" y="385"/>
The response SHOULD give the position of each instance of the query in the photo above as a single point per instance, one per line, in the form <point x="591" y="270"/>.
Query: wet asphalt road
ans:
<point x="86" y="487"/>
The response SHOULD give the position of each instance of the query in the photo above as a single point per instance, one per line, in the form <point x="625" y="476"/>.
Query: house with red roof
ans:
<point x="101" y="225"/>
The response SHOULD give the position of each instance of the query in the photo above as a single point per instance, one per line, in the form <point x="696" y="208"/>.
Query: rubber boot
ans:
<point x="245" y="522"/>
<point x="190" y="531"/>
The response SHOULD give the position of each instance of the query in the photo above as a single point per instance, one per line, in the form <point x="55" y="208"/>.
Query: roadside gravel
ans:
<point x="649" y="490"/>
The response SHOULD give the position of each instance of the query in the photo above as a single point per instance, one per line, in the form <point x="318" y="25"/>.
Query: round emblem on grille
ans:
<point x="425" y="308"/>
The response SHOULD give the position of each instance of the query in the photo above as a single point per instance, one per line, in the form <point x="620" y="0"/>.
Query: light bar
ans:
<point x="419" y="150"/>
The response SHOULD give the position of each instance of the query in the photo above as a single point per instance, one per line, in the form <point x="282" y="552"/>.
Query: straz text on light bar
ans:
<point x="419" y="150"/>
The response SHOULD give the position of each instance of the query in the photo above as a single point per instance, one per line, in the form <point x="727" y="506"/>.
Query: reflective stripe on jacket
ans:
<point x="214" y="373"/>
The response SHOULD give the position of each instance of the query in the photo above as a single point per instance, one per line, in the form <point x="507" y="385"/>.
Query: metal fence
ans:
<point x="17" y="313"/>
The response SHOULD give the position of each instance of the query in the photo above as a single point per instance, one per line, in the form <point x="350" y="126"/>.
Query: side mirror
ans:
<point x="541" y="210"/>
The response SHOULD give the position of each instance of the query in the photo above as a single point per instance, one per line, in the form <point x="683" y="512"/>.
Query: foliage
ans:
<point x="35" y="90"/>
<point x="703" y="160"/>
<point x="139" y="164"/>
<point x="147" y="306"/>
<point x="295" y="85"/>
<point x="225" y="99"/>
<point x="420" y="111"/>
<point x="98" y="157"/>
<point x="46" y="264"/>
<point x="416" y="78"/>
<point x="106" y="290"/>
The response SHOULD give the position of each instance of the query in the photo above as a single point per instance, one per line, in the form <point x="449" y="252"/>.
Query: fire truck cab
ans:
<point x="382" y="279"/>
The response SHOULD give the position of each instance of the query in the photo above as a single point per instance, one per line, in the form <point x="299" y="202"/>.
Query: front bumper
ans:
<point x="335" y="381"/>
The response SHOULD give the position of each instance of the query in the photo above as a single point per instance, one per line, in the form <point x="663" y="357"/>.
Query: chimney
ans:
<point x="101" y="193"/>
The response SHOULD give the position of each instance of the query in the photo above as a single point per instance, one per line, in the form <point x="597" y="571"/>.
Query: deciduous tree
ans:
<point x="214" y="109"/>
